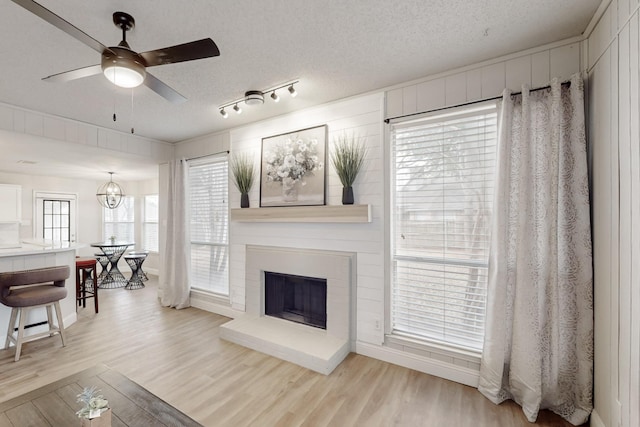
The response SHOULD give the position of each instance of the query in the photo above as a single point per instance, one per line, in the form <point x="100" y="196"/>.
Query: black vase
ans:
<point x="244" y="200"/>
<point x="347" y="195"/>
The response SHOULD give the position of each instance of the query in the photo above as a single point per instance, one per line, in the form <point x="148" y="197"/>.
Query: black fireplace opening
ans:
<point x="296" y="298"/>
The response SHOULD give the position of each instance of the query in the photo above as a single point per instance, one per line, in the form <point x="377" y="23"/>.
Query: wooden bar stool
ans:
<point x="28" y="289"/>
<point x="86" y="282"/>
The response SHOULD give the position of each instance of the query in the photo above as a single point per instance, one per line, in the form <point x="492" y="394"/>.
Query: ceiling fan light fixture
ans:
<point x="123" y="71"/>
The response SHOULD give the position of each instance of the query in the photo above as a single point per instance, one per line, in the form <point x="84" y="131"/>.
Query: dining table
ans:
<point x="113" y="250"/>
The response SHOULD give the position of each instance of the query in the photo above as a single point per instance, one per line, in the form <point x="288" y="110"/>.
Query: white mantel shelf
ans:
<point x="332" y="213"/>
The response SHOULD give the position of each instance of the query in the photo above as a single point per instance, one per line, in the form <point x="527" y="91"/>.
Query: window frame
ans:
<point x="225" y="246"/>
<point x="393" y="337"/>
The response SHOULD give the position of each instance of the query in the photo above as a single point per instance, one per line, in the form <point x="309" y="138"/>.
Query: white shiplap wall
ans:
<point x="361" y="116"/>
<point x="534" y="68"/>
<point x="38" y="124"/>
<point x="614" y="151"/>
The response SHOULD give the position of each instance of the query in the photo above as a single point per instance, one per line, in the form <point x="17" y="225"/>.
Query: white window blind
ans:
<point x="150" y="223"/>
<point x="442" y="197"/>
<point x="120" y="222"/>
<point x="209" y="216"/>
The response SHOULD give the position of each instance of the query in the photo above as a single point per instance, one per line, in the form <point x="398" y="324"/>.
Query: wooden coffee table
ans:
<point x="56" y="404"/>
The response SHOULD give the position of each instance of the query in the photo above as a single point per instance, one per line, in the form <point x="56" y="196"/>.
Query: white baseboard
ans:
<point x="212" y="304"/>
<point x="153" y="271"/>
<point x="70" y="320"/>
<point x="595" y="420"/>
<point x="434" y="367"/>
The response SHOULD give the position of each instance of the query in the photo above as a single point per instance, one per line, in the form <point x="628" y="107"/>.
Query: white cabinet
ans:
<point x="10" y="203"/>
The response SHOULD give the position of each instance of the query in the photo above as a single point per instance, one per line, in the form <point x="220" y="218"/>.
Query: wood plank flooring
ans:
<point x="178" y="356"/>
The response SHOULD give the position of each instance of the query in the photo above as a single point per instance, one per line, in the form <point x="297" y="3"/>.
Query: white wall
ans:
<point x="364" y="115"/>
<point x="534" y="67"/>
<point x="614" y="150"/>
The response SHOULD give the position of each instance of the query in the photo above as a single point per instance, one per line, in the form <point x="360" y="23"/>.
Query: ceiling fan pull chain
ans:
<point x="132" y="110"/>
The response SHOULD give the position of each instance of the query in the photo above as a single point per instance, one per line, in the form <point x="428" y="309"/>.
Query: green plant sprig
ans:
<point x="347" y="158"/>
<point x="243" y="172"/>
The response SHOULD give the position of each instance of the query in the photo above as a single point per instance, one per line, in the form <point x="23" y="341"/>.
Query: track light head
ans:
<point x="237" y="109"/>
<point x="224" y="113"/>
<point x="275" y="97"/>
<point x="292" y="91"/>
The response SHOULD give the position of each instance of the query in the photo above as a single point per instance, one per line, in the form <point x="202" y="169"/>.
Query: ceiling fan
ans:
<point x="121" y="65"/>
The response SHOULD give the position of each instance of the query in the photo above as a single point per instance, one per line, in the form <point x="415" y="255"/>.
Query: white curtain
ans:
<point x="538" y="347"/>
<point x="174" y="286"/>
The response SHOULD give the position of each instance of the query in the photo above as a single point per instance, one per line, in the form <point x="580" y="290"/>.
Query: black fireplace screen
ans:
<point x="296" y="298"/>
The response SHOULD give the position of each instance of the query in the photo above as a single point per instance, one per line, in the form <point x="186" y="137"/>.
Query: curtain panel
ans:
<point x="174" y="284"/>
<point x="538" y="345"/>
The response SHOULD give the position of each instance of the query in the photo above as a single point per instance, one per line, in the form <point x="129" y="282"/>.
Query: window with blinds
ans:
<point x="120" y="222"/>
<point x="442" y="198"/>
<point x="150" y="223"/>
<point x="209" y="219"/>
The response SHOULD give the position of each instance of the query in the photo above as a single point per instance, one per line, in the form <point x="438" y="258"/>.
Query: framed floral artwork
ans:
<point x="293" y="168"/>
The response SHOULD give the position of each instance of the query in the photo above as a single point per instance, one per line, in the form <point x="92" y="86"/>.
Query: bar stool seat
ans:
<point x="86" y="282"/>
<point x="135" y="261"/>
<point x="29" y="289"/>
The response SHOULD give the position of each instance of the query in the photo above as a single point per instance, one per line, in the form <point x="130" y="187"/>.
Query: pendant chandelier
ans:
<point x="110" y="194"/>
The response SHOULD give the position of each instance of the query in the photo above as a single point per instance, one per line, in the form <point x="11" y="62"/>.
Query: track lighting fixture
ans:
<point x="256" y="97"/>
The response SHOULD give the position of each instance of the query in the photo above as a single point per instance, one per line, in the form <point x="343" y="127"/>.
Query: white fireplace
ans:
<point x="311" y="347"/>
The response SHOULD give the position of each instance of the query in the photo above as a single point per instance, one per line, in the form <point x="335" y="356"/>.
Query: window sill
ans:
<point x="325" y="213"/>
<point x="456" y="356"/>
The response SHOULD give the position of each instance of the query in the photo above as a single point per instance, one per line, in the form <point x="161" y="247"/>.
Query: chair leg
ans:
<point x="23" y="317"/>
<point x="50" y="320"/>
<point x="12" y="325"/>
<point x="95" y="288"/>
<point x="77" y="288"/>
<point x="60" y="325"/>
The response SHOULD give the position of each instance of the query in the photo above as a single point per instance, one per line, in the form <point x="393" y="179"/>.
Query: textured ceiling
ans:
<point x="336" y="49"/>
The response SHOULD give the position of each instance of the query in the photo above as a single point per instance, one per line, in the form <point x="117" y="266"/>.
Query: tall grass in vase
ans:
<point x="243" y="176"/>
<point x="347" y="158"/>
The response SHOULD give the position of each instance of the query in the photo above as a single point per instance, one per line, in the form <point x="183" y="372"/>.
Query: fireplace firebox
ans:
<point x="296" y="298"/>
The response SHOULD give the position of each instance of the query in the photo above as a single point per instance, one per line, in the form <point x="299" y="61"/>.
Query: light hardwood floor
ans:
<point x="179" y="356"/>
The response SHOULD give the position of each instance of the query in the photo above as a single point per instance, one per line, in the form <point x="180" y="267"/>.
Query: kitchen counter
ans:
<point x="34" y="247"/>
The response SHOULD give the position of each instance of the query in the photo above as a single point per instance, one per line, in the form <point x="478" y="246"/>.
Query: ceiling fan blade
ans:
<point x="61" y="24"/>
<point x="199" y="49"/>
<point x="163" y="90"/>
<point x="78" y="73"/>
